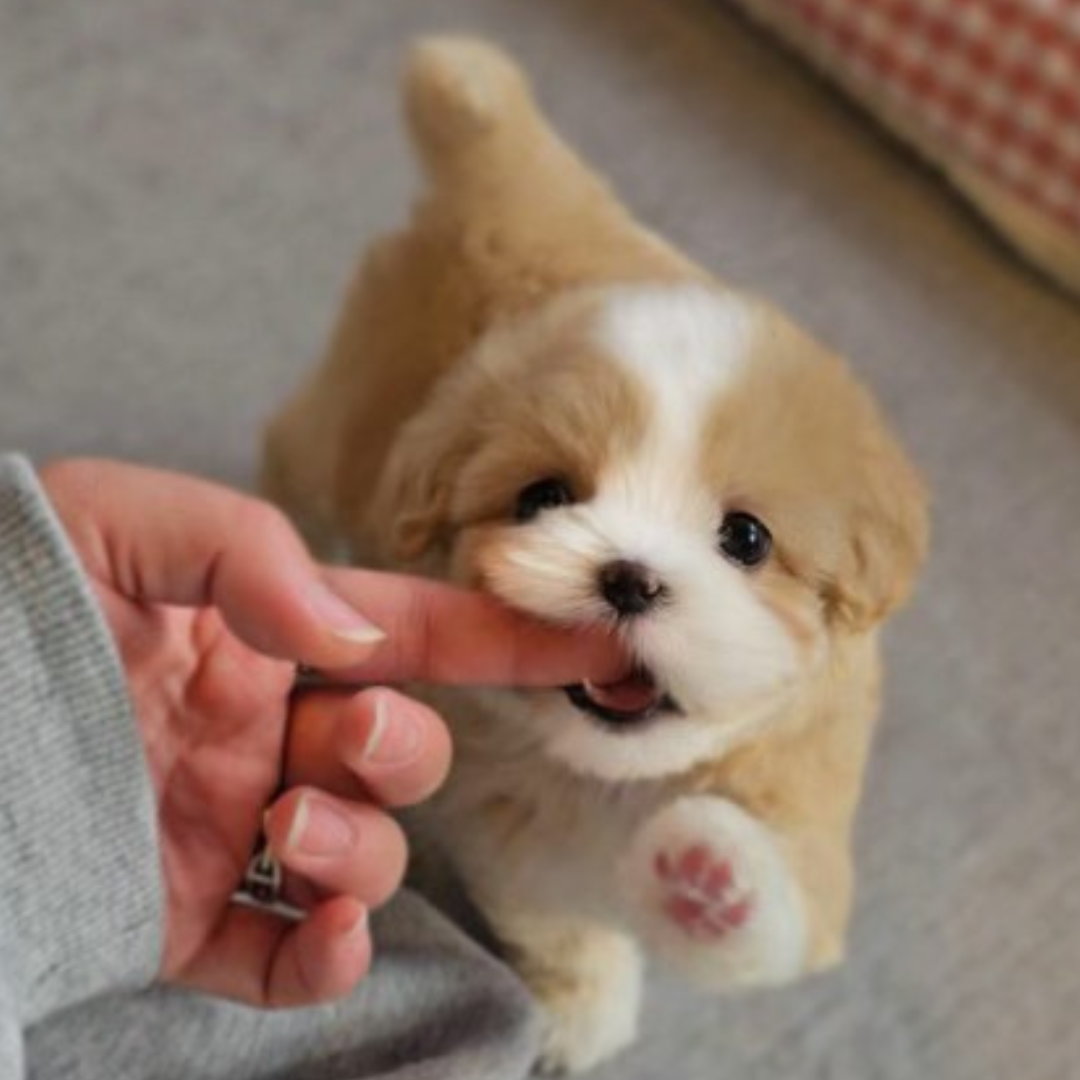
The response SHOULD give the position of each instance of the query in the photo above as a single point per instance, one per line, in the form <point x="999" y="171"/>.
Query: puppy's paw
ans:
<point x="701" y="894"/>
<point x="591" y="1005"/>
<point x="714" y="897"/>
<point x="584" y="1031"/>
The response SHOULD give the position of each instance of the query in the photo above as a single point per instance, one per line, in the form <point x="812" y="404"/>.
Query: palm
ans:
<point x="212" y="714"/>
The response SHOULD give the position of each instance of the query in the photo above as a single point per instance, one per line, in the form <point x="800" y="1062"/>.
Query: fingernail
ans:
<point x="359" y="927"/>
<point x="395" y="735"/>
<point x="342" y="619"/>
<point x="319" y="828"/>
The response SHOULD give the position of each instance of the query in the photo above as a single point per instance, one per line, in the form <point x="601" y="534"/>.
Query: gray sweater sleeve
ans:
<point x="80" y="892"/>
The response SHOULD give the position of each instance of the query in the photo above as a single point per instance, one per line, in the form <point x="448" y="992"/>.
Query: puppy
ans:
<point x="530" y="394"/>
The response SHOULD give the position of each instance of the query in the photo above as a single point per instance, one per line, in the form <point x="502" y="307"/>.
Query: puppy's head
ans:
<point x="684" y="466"/>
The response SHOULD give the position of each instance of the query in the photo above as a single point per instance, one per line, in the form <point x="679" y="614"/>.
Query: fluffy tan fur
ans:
<point x="463" y="367"/>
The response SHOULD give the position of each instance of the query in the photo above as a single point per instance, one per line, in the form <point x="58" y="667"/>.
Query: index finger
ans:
<point x="443" y="634"/>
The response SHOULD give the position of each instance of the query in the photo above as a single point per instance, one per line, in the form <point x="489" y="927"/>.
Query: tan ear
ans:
<point x="410" y="512"/>
<point x="413" y="530"/>
<point x="888" y="534"/>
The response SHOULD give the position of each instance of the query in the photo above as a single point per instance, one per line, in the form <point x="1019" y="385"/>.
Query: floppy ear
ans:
<point x="887" y="537"/>
<point x="410" y="513"/>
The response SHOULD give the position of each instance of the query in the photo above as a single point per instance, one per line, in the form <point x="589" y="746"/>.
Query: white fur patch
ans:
<point x="770" y="946"/>
<point x="684" y="345"/>
<point x="685" y="342"/>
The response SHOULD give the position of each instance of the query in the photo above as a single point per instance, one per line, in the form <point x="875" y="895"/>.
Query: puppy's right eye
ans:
<point x="542" y="495"/>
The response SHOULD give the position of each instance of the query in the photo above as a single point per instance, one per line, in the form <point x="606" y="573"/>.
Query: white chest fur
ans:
<point x="523" y="828"/>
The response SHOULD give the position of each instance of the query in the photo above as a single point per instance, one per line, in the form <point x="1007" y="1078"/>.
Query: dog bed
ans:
<point x="987" y="90"/>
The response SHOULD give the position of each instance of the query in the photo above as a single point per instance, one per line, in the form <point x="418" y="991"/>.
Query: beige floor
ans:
<point x="183" y="186"/>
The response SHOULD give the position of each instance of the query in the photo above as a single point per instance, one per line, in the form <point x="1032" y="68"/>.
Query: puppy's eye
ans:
<point x="744" y="539"/>
<point x="542" y="495"/>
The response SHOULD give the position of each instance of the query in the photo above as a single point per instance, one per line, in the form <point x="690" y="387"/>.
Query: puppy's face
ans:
<point x="684" y="466"/>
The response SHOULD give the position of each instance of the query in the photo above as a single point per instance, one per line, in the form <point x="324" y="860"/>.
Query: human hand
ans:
<point x="212" y="600"/>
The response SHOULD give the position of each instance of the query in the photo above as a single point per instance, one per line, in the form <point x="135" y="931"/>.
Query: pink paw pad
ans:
<point x="701" y="894"/>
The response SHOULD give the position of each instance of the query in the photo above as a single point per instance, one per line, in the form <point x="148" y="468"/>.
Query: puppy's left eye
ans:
<point x="744" y="539"/>
<point x="542" y="495"/>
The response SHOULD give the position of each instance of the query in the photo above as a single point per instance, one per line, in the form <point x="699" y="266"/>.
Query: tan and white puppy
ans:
<point x="530" y="394"/>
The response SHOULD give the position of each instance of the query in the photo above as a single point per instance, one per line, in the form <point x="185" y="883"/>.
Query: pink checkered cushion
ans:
<point x="987" y="89"/>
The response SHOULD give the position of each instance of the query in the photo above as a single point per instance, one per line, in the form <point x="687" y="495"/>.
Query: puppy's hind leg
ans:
<point x="587" y="977"/>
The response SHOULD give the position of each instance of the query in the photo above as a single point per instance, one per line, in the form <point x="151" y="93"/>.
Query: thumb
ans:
<point x="160" y="537"/>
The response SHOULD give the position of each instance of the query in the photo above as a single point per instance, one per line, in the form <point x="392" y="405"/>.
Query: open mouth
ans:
<point x="632" y="700"/>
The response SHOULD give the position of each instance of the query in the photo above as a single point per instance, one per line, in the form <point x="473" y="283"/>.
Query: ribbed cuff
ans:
<point x="80" y="881"/>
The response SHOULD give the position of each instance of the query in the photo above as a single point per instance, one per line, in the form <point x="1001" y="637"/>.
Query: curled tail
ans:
<point x="495" y="163"/>
<point x="460" y="92"/>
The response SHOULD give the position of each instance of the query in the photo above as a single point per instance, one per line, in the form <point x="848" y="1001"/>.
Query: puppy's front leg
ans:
<point x="715" y="894"/>
<point x="586" y="976"/>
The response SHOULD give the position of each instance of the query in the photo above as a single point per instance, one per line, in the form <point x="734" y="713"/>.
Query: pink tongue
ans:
<point x="633" y="694"/>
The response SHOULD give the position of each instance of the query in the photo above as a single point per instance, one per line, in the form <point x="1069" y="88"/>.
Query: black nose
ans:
<point x="629" y="587"/>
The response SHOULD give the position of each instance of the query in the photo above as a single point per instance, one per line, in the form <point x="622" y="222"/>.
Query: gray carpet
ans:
<point x="183" y="188"/>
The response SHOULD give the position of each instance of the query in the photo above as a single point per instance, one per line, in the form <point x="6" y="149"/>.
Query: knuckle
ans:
<point x="69" y="482"/>
<point x="256" y="517"/>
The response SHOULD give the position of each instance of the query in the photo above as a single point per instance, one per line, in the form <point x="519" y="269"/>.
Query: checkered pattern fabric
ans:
<point x="988" y="88"/>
